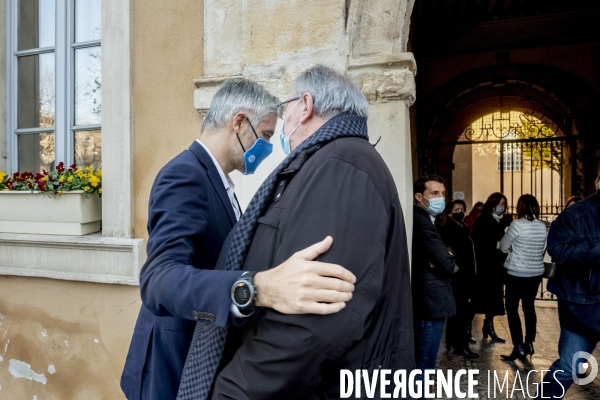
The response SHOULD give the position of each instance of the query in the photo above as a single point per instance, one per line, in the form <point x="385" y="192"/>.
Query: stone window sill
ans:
<point x="91" y="258"/>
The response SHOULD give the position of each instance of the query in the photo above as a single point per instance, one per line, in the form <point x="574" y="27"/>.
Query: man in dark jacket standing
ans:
<point x="432" y="267"/>
<point x="332" y="183"/>
<point x="574" y="244"/>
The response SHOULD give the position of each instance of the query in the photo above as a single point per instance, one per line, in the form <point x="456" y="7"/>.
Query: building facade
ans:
<point x="122" y="85"/>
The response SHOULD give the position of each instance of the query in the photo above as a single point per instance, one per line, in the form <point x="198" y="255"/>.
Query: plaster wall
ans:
<point x="167" y="54"/>
<point x="63" y="339"/>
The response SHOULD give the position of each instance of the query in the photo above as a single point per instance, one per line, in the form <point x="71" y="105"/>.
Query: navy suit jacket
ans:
<point x="190" y="215"/>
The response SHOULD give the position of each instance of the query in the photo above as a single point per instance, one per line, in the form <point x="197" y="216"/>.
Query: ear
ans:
<point x="307" y="107"/>
<point x="237" y="121"/>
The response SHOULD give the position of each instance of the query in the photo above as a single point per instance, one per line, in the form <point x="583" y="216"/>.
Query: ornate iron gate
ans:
<point x="534" y="154"/>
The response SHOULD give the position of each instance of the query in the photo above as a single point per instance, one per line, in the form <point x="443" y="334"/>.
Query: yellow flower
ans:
<point x="70" y="179"/>
<point x="79" y="173"/>
<point x="99" y="173"/>
<point x="89" y="169"/>
<point x="86" y="188"/>
<point x="59" y="191"/>
<point x="94" y="180"/>
<point x="45" y="178"/>
<point x="61" y="179"/>
<point x="100" y="191"/>
<point x="3" y="175"/>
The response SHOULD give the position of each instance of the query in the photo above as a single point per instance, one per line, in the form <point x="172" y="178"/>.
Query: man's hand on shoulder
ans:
<point x="303" y="286"/>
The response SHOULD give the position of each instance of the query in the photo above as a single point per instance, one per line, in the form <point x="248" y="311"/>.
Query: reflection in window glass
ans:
<point x="36" y="24"/>
<point x="88" y="149"/>
<point x="88" y="87"/>
<point x="36" y="152"/>
<point x="87" y="20"/>
<point x="36" y="91"/>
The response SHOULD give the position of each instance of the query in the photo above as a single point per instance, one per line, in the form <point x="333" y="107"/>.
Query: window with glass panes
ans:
<point x="54" y="102"/>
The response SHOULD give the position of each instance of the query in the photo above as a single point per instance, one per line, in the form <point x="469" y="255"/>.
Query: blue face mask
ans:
<point x="285" y="140"/>
<point x="256" y="154"/>
<point x="436" y="206"/>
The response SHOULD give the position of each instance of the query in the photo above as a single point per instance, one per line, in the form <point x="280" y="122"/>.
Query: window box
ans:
<point x="35" y="213"/>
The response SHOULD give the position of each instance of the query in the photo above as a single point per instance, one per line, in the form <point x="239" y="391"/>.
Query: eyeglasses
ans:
<point x="281" y="106"/>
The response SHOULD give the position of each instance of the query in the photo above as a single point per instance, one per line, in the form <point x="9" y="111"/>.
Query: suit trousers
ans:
<point x="520" y="289"/>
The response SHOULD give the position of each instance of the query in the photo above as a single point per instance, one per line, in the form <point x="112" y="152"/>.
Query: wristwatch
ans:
<point x="243" y="292"/>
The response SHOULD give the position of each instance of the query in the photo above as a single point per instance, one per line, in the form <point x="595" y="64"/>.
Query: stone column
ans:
<point x="272" y="41"/>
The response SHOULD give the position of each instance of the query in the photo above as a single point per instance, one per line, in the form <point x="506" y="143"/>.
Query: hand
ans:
<point x="303" y="286"/>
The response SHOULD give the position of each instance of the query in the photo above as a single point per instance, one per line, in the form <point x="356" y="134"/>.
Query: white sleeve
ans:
<point x="509" y="237"/>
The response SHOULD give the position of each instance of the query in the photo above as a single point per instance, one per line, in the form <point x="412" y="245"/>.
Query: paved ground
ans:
<point x="546" y="347"/>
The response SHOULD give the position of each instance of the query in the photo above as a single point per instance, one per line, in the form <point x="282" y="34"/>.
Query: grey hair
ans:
<point x="239" y="95"/>
<point x="332" y="92"/>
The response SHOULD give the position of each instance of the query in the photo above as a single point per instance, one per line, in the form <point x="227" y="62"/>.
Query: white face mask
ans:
<point x="285" y="140"/>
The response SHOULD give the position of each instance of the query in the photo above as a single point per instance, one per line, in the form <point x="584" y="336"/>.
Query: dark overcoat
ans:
<point x="344" y="190"/>
<point x="458" y="238"/>
<point x="432" y="267"/>
<point x="574" y="244"/>
<point x="489" y="297"/>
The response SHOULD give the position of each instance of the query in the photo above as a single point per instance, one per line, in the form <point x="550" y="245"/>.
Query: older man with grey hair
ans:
<point x="333" y="182"/>
<point x="192" y="209"/>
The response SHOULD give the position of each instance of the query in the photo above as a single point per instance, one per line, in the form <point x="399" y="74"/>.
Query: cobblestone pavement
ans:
<point x="546" y="352"/>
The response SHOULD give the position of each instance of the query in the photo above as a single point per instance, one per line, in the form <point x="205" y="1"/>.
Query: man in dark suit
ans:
<point x="192" y="209"/>
<point x="432" y="266"/>
<point x="333" y="183"/>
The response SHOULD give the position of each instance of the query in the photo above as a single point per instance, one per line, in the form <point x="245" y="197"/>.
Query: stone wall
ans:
<point x="365" y="39"/>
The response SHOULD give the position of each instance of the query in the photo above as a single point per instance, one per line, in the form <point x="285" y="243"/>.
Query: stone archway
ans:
<point x="561" y="97"/>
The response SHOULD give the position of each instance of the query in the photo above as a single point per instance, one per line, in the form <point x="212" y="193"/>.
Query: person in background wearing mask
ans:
<point x="524" y="242"/>
<point x="455" y="234"/>
<point x="192" y="208"/>
<point x="488" y="230"/>
<point x="432" y="266"/>
<point x="470" y="219"/>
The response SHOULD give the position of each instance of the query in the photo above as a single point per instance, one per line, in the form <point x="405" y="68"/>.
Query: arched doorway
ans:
<point x="524" y="124"/>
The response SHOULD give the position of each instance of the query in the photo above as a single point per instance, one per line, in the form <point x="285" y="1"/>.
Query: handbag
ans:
<point x="549" y="268"/>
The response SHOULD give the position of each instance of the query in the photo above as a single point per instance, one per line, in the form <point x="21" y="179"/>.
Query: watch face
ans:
<point x="242" y="293"/>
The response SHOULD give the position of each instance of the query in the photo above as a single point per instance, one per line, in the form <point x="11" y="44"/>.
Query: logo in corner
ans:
<point x="580" y="368"/>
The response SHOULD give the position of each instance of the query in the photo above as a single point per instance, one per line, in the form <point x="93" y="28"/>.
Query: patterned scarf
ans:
<point x="209" y="340"/>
